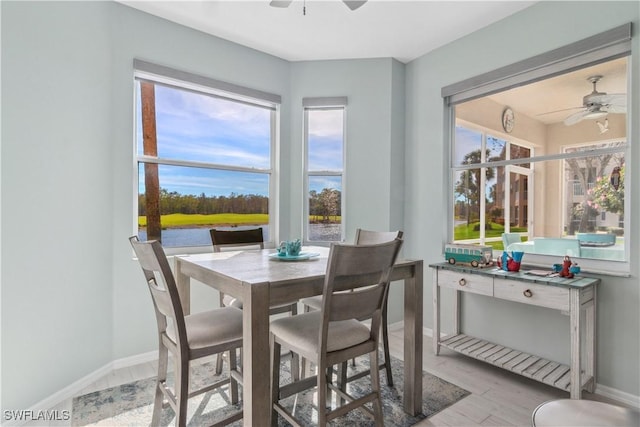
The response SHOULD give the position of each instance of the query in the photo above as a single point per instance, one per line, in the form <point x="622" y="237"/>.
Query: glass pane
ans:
<point x="198" y="127"/>
<point x="496" y="149"/>
<point x="520" y="152"/>
<point x="192" y="200"/>
<point x="325" y="139"/>
<point x="468" y="146"/>
<point x="325" y="214"/>
<point x="466" y="208"/>
<point x="594" y="194"/>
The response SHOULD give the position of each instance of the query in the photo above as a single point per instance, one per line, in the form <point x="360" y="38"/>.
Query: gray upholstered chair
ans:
<point x="355" y="288"/>
<point x="188" y="337"/>
<point x="252" y="238"/>
<point x="365" y="237"/>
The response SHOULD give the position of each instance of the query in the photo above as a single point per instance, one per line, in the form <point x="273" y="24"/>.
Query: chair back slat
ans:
<point x="161" y="284"/>
<point x="233" y="238"/>
<point x="359" y="304"/>
<point x="355" y="266"/>
<point x="369" y="237"/>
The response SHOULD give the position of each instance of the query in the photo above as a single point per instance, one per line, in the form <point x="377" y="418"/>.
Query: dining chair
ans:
<point x="355" y="289"/>
<point x="509" y="238"/>
<point x="246" y="239"/>
<point x="187" y="338"/>
<point x="364" y="237"/>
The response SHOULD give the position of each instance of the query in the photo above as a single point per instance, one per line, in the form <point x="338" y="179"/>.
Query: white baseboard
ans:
<point x="74" y="388"/>
<point x="617" y="395"/>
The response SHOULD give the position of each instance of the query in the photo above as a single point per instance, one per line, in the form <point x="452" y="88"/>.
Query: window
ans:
<point x="204" y="156"/>
<point x="324" y="123"/>
<point x="551" y="174"/>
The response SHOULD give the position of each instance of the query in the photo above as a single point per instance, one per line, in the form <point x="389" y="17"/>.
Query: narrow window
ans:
<point x="324" y="123"/>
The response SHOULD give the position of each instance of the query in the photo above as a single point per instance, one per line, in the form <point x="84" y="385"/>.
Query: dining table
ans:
<point x="261" y="279"/>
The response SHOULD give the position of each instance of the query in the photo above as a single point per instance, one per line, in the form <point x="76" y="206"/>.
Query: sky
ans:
<point x="201" y="128"/>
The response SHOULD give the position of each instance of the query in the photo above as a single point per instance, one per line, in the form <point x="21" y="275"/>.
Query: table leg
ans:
<point x="590" y="341"/>
<point x="256" y="369"/>
<point x="413" y="341"/>
<point x="183" y="283"/>
<point x="436" y="313"/>
<point x="574" y="320"/>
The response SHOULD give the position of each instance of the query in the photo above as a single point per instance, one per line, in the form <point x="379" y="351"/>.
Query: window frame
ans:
<point x="606" y="46"/>
<point x="320" y="104"/>
<point x="180" y="80"/>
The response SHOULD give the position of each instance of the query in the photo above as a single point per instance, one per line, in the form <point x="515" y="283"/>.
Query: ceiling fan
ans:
<point x="598" y="104"/>
<point x="351" y="4"/>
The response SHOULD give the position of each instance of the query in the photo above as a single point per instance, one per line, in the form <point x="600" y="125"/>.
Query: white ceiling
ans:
<point x="397" y="29"/>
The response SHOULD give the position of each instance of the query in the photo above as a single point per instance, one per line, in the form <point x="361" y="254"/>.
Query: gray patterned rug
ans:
<point x="131" y="404"/>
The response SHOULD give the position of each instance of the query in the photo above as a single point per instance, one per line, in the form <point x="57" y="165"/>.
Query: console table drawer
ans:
<point x="531" y="293"/>
<point x="465" y="282"/>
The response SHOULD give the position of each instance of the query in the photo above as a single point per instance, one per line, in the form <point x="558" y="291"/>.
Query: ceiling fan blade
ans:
<point x="354" y="4"/>
<point x="576" y="117"/>
<point x="619" y="99"/>
<point x="611" y="108"/>
<point x="280" y="3"/>
<point x="559" y="111"/>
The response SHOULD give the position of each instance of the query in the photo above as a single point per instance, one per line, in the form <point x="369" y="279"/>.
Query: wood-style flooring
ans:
<point x="498" y="397"/>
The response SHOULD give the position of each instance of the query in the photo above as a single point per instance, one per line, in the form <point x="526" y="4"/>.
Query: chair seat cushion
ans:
<point x="303" y="330"/>
<point x="209" y="328"/>
<point x="313" y="302"/>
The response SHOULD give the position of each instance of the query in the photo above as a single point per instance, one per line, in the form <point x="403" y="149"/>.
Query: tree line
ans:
<point x="323" y="204"/>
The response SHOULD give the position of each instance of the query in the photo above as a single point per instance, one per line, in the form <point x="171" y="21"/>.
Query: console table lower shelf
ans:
<point x="534" y="367"/>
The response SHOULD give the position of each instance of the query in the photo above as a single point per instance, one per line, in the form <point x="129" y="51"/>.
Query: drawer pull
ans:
<point x="527" y="293"/>
<point x="462" y="282"/>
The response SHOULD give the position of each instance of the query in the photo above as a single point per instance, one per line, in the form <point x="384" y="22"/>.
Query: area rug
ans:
<point x="131" y="404"/>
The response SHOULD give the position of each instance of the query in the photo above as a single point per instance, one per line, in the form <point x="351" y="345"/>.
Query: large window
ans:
<point x="538" y="152"/>
<point x="324" y="165"/>
<point x="204" y="158"/>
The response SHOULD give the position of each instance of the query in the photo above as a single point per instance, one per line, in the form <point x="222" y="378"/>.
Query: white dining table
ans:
<point x="260" y="282"/>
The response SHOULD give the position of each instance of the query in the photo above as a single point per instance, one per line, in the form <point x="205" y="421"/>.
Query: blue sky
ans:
<point x="197" y="127"/>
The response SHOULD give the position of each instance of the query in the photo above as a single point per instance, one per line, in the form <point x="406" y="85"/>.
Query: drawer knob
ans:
<point x="528" y="293"/>
<point x="462" y="282"/>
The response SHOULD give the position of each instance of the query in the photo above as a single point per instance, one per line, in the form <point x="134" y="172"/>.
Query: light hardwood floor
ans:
<point x="498" y="397"/>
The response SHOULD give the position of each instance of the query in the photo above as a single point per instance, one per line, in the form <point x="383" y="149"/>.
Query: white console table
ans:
<point x="570" y="296"/>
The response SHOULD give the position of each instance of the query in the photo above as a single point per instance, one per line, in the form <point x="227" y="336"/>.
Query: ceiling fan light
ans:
<point x="595" y="115"/>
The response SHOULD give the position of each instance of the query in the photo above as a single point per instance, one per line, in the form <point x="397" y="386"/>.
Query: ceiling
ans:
<point x="397" y="29"/>
<point x="327" y="29"/>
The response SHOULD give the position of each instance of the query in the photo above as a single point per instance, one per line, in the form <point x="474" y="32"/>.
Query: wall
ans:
<point x="57" y="197"/>
<point x="73" y="299"/>
<point x="540" y="28"/>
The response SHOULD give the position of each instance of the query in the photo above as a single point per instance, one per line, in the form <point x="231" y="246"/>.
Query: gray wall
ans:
<point x="72" y="298"/>
<point x="540" y="28"/>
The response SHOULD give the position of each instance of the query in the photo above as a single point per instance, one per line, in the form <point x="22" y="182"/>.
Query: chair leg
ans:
<point x="295" y="366"/>
<point x="387" y="356"/>
<point x="163" y="361"/>
<point x="233" y="384"/>
<point x="322" y="392"/>
<point x="275" y="379"/>
<point x="219" y="363"/>
<point x="375" y="387"/>
<point x="182" y="391"/>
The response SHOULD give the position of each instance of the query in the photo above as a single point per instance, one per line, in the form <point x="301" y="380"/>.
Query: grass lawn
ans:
<point x="195" y="220"/>
<point x="471" y="231"/>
